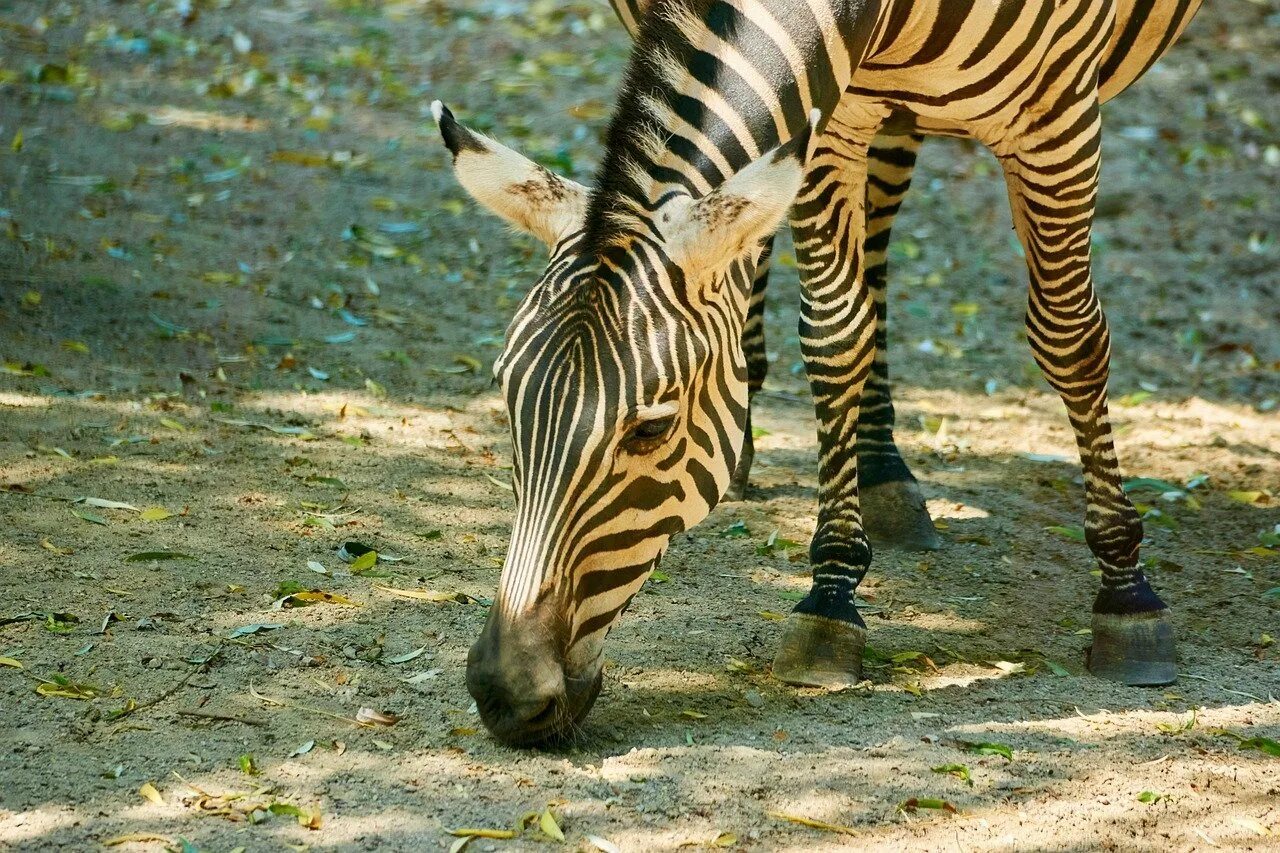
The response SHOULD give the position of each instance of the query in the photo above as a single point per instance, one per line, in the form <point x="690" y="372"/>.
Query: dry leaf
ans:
<point x="135" y="837"/>
<point x="149" y="793"/>
<point x="54" y="549"/>
<point x="424" y="594"/>
<point x="813" y="823"/>
<point x="10" y="662"/>
<point x="370" y="717"/>
<point x="155" y="513"/>
<point x="479" y="832"/>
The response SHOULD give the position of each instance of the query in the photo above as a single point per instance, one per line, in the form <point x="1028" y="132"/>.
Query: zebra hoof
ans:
<point x="1135" y="649"/>
<point x="894" y="514"/>
<point x="819" y="652"/>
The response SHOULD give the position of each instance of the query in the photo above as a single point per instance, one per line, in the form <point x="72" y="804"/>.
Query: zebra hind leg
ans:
<point x="1052" y="199"/>
<point x="892" y="505"/>
<point x="753" y="346"/>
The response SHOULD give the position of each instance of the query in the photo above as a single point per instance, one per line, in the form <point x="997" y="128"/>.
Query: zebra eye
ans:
<point x="649" y="432"/>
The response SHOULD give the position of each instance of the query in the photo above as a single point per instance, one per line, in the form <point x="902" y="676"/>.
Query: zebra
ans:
<point x="624" y="370"/>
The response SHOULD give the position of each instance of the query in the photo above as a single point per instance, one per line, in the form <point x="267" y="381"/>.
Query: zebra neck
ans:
<point x="711" y="86"/>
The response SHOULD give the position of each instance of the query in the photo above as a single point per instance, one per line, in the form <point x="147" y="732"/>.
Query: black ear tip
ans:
<point x="449" y="127"/>
<point x="456" y="136"/>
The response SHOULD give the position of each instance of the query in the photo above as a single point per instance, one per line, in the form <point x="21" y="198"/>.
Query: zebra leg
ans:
<point x="824" y="636"/>
<point x="891" y="501"/>
<point x="757" y="367"/>
<point x="1052" y="188"/>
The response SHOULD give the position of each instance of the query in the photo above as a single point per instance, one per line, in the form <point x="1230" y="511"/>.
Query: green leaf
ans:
<point x="737" y="530"/>
<point x="988" y="748"/>
<point x="960" y="771"/>
<point x="1151" y="484"/>
<point x="364" y="562"/>
<point x="1150" y="797"/>
<point x="1057" y="668"/>
<point x="1069" y="531"/>
<point x="1262" y="744"/>
<point x="247" y="765"/>
<point x="289" y="588"/>
<point x="88" y="516"/>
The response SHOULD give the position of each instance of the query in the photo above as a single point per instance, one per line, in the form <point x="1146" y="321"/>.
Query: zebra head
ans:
<point x="626" y="389"/>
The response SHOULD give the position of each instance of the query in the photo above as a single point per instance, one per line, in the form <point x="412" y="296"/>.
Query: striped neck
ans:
<point x="711" y="86"/>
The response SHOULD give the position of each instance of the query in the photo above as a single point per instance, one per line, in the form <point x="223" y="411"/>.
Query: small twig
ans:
<point x="196" y="670"/>
<point x="227" y="718"/>
<point x="253" y="691"/>
<point x="133" y="709"/>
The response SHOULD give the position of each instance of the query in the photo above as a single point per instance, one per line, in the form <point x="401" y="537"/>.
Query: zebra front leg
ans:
<point x="753" y="344"/>
<point x="892" y="504"/>
<point x="1052" y="191"/>
<point x="824" y="636"/>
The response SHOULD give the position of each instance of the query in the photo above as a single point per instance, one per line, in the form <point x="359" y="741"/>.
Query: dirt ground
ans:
<point x="241" y="293"/>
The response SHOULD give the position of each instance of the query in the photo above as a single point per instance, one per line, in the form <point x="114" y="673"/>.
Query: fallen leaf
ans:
<point x="926" y="803"/>
<point x="148" y="556"/>
<point x="314" y="596"/>
<point x="408" y="656"/>
<point x="102" y="503"/>
<point x="149" y="793"/>
<point x="88" y="516"/>
<point x="54" y="549"/>
<point x="1069" y="531"/>
<point x="369" y="716"/>
<point x="136" y="837"/>
<point x="63" y="687"/>
<point x="1151" y="797"/>
<point x="603" y="844"/>
<point x="813" y="823"/>
<point x="987" y="748"/>
<point x="425" y="594"/>
<point x="960" y="771"/>
<point x="246" y="630"/>
<point x="155" y="513"/>
<point x="481" y="832"/>
<point x="13" y="662"/>
<point x="547" y="824"/>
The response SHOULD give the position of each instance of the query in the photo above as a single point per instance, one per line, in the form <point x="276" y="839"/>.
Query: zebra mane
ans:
<point x="626" y="183"/>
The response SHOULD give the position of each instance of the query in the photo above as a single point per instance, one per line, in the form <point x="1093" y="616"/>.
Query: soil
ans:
<point x="244" y="218"/>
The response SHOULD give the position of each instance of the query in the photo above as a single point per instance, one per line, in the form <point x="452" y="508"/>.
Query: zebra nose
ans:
<point x="519" y="691"/>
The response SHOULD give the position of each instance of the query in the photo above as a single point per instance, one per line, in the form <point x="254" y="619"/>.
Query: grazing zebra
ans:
<point x="624" y="368"/>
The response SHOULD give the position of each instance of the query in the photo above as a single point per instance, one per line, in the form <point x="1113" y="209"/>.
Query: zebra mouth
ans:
<point x="556" y="723"/>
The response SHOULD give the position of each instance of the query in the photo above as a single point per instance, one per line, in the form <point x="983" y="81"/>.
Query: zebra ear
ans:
<point x="509" y="184"/>
<point x="732" y="219"/>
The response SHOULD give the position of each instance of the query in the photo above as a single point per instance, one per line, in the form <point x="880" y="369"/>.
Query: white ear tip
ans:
<point x="815" y="116"/>
<point x="437" y="110"/>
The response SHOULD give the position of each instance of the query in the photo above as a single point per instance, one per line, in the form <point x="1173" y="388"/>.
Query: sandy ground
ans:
<point x="238" y="284"/>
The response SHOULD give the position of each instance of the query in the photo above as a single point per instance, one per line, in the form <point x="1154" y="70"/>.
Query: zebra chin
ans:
<point x="524" y="688"/>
